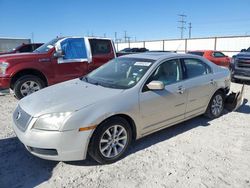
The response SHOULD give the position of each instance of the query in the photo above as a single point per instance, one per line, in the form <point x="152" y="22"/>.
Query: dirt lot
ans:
<point x="197" y="153"/>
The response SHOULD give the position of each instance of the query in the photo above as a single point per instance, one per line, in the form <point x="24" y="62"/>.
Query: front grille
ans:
<point x="243" y="63"/>
<point x="21" y="118"/>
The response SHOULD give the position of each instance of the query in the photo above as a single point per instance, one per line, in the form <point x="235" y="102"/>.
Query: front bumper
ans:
<point x="54" y="145"/>
<point x="240" y="73"/>
<point x="235" y="99"/>
<point x="5" y="82"/>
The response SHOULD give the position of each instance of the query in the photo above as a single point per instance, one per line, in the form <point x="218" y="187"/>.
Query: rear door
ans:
<point x="102" y="51"/>
<point x="199" y="84"/>
<point x="74" y="63"/>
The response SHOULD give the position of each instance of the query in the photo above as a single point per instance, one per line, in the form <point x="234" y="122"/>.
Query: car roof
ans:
<point x="155" y="55"/>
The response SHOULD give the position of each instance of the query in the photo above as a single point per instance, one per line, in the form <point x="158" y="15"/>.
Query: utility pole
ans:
<point x="115" y="36"/>
<point x="190" y="30"/>
<point x="182" y="22"/>
<point x="125" y="36"/>
<point x="116" y="41"/>
<point x="32" y="37"/>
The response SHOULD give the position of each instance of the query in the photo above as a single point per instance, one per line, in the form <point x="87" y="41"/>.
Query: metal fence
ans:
<point x="230" y="45"/>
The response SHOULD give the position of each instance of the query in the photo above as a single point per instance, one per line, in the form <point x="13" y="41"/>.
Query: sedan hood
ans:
<point x="65" y="97"/>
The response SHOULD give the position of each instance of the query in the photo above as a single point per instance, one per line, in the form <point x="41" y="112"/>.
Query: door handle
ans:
<point x="180" y="90"/>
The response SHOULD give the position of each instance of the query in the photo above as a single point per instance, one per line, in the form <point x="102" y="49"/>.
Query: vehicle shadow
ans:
<point x="244" y="108"/>
<point x="18" y="168"/>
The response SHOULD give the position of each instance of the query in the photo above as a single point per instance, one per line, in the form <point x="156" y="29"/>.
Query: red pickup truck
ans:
<point x="56" y="61"/>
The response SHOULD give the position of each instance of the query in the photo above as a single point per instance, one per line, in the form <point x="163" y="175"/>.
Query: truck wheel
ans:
<point x="216" y="105"/>
<point x="110" y="140"/>
<point x="26" y="85"/>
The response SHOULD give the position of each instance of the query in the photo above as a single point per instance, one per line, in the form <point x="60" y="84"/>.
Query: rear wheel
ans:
<point x="27" y="85"/>
<point x="110" y="140"/>
<point x="216" y="105"/>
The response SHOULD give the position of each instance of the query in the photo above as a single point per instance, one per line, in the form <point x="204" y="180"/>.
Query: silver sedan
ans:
<point x="123" y="100"/>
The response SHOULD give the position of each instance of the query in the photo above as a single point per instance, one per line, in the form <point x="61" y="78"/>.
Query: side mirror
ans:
<point x="155" y="85"/>
<point x="58" y="54"/>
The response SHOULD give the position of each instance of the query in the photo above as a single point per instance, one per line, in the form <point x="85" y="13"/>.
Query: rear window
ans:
<point x="26" y="48"/>
<point x="218" y="54"/>
<point x="100" y="47"/>
<point x="197" y="53"/>
<point x="195" y="67"/>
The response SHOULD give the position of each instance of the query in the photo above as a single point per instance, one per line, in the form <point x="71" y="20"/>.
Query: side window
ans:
<point x="74" y="48"/>
<point x="195" y="67"/>
<point x="168" y="72"/>
<point x="100" y="47"/>
<point x="25" y="48"/>
<point x="218" y="54"/>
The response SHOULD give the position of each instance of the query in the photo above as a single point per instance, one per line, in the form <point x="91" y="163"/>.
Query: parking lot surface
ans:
<point x="197" y="153"/>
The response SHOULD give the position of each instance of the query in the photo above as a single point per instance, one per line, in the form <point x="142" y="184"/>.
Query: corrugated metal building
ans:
<point x="7" y="44"/>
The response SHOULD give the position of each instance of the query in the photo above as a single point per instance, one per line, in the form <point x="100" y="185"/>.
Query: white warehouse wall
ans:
<point x="200" y="44"/>
<point x="228" y="45"/>
<point x="154" y="45"/>
<point x="174" y="45"/>
<point x="232" y="44"/>
<point x="136" y="44"/>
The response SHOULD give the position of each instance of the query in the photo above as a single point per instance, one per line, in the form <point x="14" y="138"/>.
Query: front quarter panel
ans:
<point x="125" y="103"/>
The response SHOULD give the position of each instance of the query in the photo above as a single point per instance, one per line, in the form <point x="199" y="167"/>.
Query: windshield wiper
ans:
<point x="85" y="78"/>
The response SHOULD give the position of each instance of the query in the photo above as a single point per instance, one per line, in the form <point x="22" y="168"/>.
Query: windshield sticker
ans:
<point x="146" y="64"/>
<point x="50" y="46"/>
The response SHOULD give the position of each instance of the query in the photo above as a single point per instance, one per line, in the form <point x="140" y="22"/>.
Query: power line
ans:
<point x="182" y="22"/>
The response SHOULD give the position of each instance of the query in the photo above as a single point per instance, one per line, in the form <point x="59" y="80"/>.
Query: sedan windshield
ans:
<point x="47" y="46"/>
<point x="120" y="73"/>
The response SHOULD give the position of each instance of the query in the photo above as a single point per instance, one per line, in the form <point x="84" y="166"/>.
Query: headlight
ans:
<point x="51" y="122"/>
<point x="3" y="67"/>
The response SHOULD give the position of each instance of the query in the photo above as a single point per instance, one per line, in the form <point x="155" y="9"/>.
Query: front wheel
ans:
<point x="216" y="105"/>
<point x="110" y="140"/>
<point x="27" y="85"/>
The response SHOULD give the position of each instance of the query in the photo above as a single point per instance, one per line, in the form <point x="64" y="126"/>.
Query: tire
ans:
<point x="216" y="102"/>
<point x="26" y="82"/>
<point x="109" y="155"/>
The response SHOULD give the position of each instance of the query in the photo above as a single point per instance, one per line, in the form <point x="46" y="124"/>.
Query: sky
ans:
<point x="141" y="19"/>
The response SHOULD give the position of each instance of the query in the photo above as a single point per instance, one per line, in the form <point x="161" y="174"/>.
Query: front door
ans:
<point x="74" y="63"/>
<point x="165" y="107"/>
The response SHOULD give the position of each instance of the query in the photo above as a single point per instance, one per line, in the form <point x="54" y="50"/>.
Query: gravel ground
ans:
<point x="196" y="153"/>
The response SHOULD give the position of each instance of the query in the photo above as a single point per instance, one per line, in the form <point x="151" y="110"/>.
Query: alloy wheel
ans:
<point x="113" y="141"/>
<point x="217" y="105"/>
<point x="29" y="87"/>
